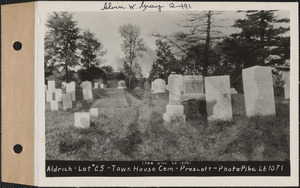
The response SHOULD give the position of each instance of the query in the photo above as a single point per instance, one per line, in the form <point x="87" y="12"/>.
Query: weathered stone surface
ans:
<point x="58" y="93"/>
<point x="175" y="83"/>
<point x="218" y="98"/>
<point x="51" y="85"/>
<point x="82" y="119"/>
<point x="175" y="109"/>
<point x="49" y="95"/>
<point x="160" y="86"/>
<point x="71" y="89"/>
<point x="67" y="101"/>
<point x="94" y="112"/>
<point x="258" y="91"/>
<point x="192" y="84"/>
<point x="54" y="105"/>
<point x="87" y="90"/>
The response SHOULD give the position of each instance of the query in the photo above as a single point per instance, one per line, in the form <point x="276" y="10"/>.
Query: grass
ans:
<point x="130" y="127"/>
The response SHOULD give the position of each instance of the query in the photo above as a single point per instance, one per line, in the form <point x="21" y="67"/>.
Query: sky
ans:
<point x="105" y="27"/>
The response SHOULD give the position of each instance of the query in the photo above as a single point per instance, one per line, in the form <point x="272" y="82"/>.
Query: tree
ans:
<point x="61" y="42"/>
<point x="165" y="62"/>
<point x="132" y="46"/>
<point x="135" y="72"/>
<point x="107" y="68"/>
<point x="260" y="36"/>
<point x="91" y="49"/>
<point x="203" y="30"/>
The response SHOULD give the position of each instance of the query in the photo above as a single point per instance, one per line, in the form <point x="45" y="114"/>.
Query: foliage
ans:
<point x="133" y="45"/>
<point x="91" y="49"/>
<point x="92" y="73"/>
<point x="107" y="68"/>
<point x="61" y="42"/>
<point x="135" y="72"/>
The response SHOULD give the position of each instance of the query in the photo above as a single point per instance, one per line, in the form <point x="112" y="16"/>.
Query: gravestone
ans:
<point x="174" y="110"/>
<point x="160" y="86"/>
<point x="51" y="85"/>
<point x="87" y="90"/>
<point x="71" y="89"/>
<point x="49" y="96"/>
<point x="152" y="86"/>
<point x="54" y="105"/>
<point x="286" y="85"/>
<point x="102" y="86"/>
<point x="67" y="101"/>
<point x="96" y="85"/>
<point x="258" y="91"/>
<point x="193" y="88"/>
<point x="122" y="84"/>
<point x="58" y="93"/>
<point x="218" y="98"/>
<point x="63" y="85"/>
<point x="233" y="91"/>
<point x="94" y="112"/>
<point x="82" y="119"/>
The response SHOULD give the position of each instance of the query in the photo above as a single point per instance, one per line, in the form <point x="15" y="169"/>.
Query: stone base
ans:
<point x="174" y="117"/>
<point x="174" y="109"/>
<point x="159" y="91"/>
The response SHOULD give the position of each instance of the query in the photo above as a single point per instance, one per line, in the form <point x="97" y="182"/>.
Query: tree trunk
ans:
<point x="207" y="45"/>
<point x="67" y="73"/>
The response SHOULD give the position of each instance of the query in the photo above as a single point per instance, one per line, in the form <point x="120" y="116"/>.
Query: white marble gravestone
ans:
<point x="63" y="85"/>
<point x="96" y="85"/>
<point x="122" y="84"/>
<point x="51" y="85"/>
<point x="87" y="90"/>
<point x="71" y="89"/>
<point x="160" y="86"/>
<point x="67" y="101"/>
<point x="58" y="93"/>
<point x="218" y="98"/>
<point x="94" y="112"/>
<point x="54" y="105"/>
<point x="286" y="86"/>
<point x="102" y="86"/>
<point x="49" y="96"/>
<point x="82" y="119"/>
<point x="174" y="110"/>
<point x="258" y="91"/>
<point x="193" y="88"/>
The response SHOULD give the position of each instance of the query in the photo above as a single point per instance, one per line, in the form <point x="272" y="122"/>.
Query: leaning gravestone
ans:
<point x="51" y="85"/>
<point x="122" y="84"/>
<point x="160" y="86"/>
<point x="87" y="90"/>
<point x="82" y="119"/>
<point x="94" y="112"/>
<point x="58" y="93"/>
<point x="67" y="101"/>
<point x="258" y="91"/>
<point x="174" y="110"/>
<point x="286" y="86"/>
<point x="193" y="88"/>
<point x="70" y="88"/>
<point x="54" y="105"/>
<point x="218" y="98"/>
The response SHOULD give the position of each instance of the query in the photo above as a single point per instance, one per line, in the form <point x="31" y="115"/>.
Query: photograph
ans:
<point x="190" y="85"/>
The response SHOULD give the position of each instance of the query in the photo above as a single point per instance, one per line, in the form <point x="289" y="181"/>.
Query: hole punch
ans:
<point x="17" y="45"/>
<point x="18" y="149"/>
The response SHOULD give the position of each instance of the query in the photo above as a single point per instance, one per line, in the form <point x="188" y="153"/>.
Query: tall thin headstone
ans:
<point x="58" y="93"/>
<point x="87" y="90"/>
<point x="71" y="89"/>
<point x="67" y="101"/>
<point x="49" y="96"/>
<point x="51" y="85"/>
<point x="218" y="98"/>
<point x="174" y="110"/>
<point x="258" y="91"/>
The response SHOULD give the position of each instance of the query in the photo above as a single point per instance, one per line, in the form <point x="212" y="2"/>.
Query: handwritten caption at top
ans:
<point x="145" y="6"/>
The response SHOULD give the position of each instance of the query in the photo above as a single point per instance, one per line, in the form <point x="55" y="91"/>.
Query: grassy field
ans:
<point x="130" y="127"/>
